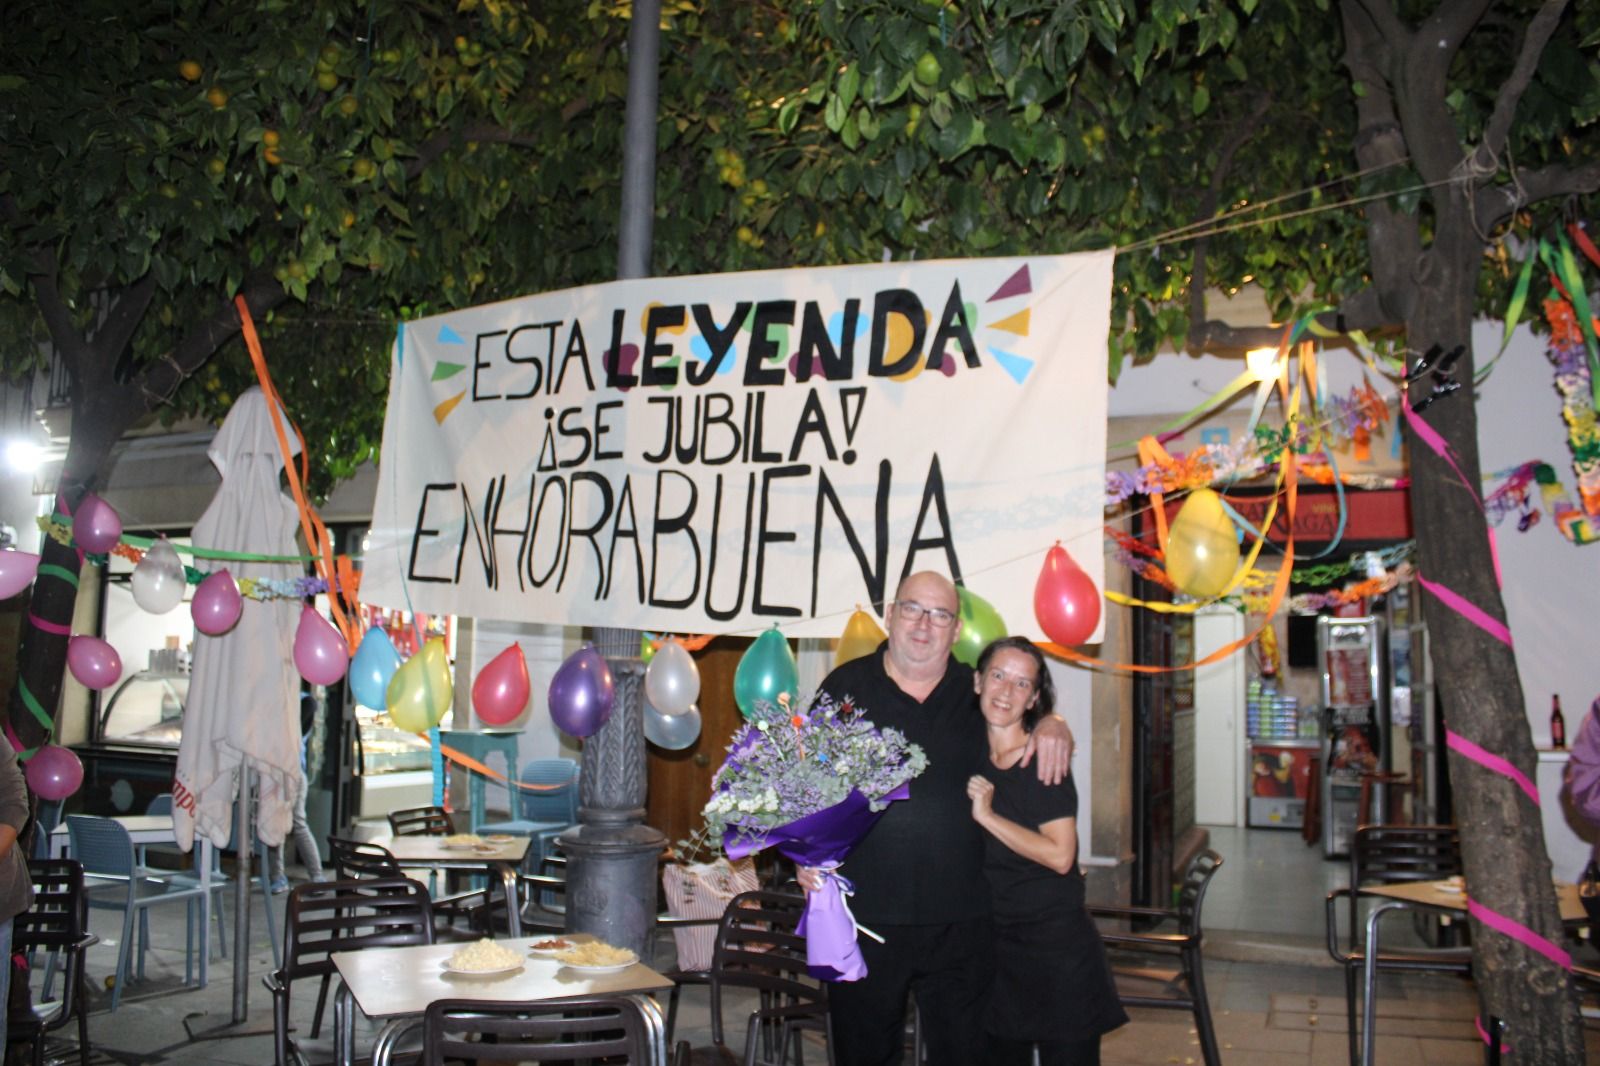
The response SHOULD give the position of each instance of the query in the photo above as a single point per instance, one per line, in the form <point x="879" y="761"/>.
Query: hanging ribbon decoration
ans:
<point x="341" y="599"/>
<point x="461" y="758"/>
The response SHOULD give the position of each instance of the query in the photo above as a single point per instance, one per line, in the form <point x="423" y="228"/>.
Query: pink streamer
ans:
<point x="1483" y="1034"/>
<point x="1488" y="759"/>
<point x="1518" y="932"/>
<point x="1437" y="444"/>
<point x="49" y="627"/>
<point x="1494" y="553"/>
<point x="1468" y="610"/>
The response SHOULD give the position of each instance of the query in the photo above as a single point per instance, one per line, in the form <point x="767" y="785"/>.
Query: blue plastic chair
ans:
<point x="542" y="813"/>
<point x="46" y="820"/>
<point x="113" y="882"/>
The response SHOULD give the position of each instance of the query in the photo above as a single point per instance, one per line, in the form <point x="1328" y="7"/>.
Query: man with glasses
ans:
<point x="918" y="874"/>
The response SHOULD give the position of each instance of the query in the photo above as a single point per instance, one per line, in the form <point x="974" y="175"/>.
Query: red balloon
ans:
<point x="501" y="691"/>
<point x="1065" y="601"/>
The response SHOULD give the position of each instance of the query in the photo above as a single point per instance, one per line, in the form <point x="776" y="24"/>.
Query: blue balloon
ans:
<point x="372" y="669"/>
<point x="672" y="731"/>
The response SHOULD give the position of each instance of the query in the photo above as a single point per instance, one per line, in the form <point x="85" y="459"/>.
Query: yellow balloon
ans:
<point x="1202" y="552"/>
<point x="421" y="691"/>
<point x="861" y="636"/>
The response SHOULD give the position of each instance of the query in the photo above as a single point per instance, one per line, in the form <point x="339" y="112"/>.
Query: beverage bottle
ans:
<point x="1558" y="724"/>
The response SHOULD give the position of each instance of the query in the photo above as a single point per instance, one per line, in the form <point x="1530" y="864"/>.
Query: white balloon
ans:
<point x="672" y="680"/>
<point x="158" y="581"/>
<point x="671" y="731"/>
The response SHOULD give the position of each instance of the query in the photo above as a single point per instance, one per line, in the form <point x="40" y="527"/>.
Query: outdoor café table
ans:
<point x="155" y="829"/>
<point x="1444" y="897"/>
<point x="499" y="858"/>
<point x="397" y="985"/>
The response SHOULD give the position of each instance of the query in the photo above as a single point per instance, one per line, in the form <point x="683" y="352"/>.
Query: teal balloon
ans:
<point x="373" y="668"/>
<point x="766" y="670"/>
<point x="981" y="625"/>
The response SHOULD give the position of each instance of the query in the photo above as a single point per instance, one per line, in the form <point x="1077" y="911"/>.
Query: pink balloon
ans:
<point x="501" y="691"/>
<point x="93" y="662"/>
<point x="54" y="772"/>
<point x="320" y="653"/>
<point x="217" y="604"/>
<point x="16" y="572"/>
<point x="96" y="526"/>
<point x="1065" y="601"/>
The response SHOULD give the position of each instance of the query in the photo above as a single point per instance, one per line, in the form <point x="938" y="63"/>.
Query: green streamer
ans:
<point x="1580" y="303"/>
<point x="52" y="570"/>
<point x="32" y="703"/>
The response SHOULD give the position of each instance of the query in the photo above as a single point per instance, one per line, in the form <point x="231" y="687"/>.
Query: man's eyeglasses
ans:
<point x="911" y="610"/>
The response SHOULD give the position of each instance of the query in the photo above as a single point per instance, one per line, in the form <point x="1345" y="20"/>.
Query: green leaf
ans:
<point x="833" y="114"/>
<point x="789" y="114"/>
<point x="1200" y="101"/>
<point x="849" y="82"/>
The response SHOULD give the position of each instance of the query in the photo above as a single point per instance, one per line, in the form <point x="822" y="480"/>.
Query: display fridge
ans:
<point x="1355" y="739"/>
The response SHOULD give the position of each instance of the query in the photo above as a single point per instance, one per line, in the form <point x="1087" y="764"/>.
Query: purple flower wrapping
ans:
<point x="823" y="839"/>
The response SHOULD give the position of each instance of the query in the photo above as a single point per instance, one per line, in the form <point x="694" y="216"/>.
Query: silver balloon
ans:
<point x="158" y="581"/>
<point x="672" y="680"/>
<point x="671" y="731"/>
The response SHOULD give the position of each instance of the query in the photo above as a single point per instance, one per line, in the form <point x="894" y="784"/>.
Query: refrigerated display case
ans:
<point x="1283" y="745"/>
<point x="1355" y="724"/>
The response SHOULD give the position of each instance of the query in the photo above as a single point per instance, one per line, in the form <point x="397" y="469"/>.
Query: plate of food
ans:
<point x="499" y="838"/>
<point x="1454" y="885"/>
<point x="483" y="958"/>
<point x="596" y="958"/>
<point x="551" y="946"/>
<point x="461" y="842"/>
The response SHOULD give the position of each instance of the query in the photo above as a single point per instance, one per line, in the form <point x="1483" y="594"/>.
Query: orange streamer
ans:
<point x="316" y="534"/>
<point x="461" y="758"/>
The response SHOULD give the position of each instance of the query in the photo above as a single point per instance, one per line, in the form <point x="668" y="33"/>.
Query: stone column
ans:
<point x="612" y="855"/>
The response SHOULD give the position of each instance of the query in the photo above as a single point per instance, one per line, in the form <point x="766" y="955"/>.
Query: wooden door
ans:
<point x="680" y="781"/>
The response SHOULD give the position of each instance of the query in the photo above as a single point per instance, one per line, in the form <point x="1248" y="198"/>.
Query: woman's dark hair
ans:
<point x="1047" y="689"/>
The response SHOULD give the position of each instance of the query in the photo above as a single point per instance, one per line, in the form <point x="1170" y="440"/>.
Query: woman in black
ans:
<point x="1053" y="986"/>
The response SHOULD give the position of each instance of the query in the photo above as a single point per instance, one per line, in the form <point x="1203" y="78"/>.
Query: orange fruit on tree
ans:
<point x="272" y="157"/>
<point x="270" y="138"/>
<point x="190" y="70"/>
<point x="349" y="105"/>
<point x="327" y="80"/>
<point x="216" y="97"/>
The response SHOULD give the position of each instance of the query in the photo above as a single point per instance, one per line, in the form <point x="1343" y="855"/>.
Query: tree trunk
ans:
<point x="1502" y="837"/>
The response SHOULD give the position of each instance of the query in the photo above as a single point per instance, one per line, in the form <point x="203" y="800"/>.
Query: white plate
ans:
<point x="513" y="968"/>
<point x="546" y="953"/>
<point x="499" y="838"/>
<point x="614" y="968"/>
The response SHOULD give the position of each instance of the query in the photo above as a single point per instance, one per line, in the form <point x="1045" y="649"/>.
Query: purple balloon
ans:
<point x="320" y="653"/>
<point x="93" y="662"/>
<point x="217" y="604"/>
<point x="96" y="526"/>
<point x="54" y="772"/>
<point x="582" y="693"/>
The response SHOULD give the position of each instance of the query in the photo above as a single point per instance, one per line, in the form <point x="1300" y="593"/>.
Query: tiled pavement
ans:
<point x="1276" y="997"/>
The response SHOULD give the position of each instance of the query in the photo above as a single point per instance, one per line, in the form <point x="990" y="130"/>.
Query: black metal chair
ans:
<point x="1391" y="854"/>
<point x="421" y="822"/>
<point x="357" y="860"/>
<point x="58" y="921"/>
<point x="330" y="916"/>
<point x="1185" y="989"/>
<point x="615" y="1029"/>
<point x="757" y="948"/>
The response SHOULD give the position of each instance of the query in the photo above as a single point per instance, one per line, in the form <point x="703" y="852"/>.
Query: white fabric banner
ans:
<point x="771" y="447"/>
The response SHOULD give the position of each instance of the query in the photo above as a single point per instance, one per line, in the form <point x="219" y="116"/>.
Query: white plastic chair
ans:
<point x="113" y="882"/>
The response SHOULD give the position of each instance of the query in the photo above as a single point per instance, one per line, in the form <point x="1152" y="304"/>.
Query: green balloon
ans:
<point x="980" y="625"/>
<point x="766" y="671"/>
<point x="647" y="649"/>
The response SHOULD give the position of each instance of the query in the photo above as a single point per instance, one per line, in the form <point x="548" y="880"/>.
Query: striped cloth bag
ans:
<point x="703" y="890"/>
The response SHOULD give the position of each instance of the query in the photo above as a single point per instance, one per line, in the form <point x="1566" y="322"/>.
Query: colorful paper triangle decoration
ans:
<point x="449" y="336"/>
<point x="1017" y="366"/>
<point x="1018" y="284"/>
<point x="1017" y="323"/>
<point x="442" y="412"/>
<point x="442" y="370"/>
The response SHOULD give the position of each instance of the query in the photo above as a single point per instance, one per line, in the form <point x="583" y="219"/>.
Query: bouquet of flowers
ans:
<point x="811" y="783"/>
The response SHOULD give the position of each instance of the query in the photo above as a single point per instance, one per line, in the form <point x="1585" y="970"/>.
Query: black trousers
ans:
<point x="948" y="968"/>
